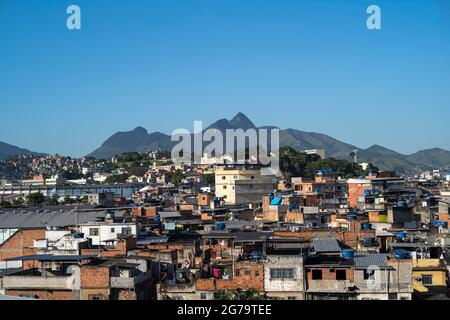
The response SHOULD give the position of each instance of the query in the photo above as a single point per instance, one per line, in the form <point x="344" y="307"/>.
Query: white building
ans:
<point x="59" y="242"/>
<point x="101" y="177"/>
<point x="319" y="152"/>
<point x="103" y="233"/>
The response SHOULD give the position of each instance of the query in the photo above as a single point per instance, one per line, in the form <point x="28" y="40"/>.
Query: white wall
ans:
<point x="105" y="231"/>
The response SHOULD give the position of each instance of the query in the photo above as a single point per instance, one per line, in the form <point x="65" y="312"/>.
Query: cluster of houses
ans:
<point x="379" y="237"/>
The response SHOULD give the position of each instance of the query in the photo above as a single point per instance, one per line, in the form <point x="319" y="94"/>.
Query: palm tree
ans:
<point x="238" y="295"/>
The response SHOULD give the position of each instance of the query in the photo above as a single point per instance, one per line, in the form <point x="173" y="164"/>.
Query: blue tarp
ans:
<point x="276" y="201"/>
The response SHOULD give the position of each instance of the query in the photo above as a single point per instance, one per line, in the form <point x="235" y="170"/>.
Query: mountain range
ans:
<point x="141" y="140"/>
<point x="7" y="151"/>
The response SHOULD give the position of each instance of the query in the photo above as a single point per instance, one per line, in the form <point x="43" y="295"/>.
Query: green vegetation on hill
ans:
<point x="299" y="164"/>
<point x="176" y="177"/>
<point x="116" y="178"/>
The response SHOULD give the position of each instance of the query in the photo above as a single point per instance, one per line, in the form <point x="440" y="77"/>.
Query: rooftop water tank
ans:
<point x="439" y="223"/>
<point x="369" y="242"/>
<point x="402" y="235"/>
<point x="348" y="254"/>
<point x="220" y="226"/>
<point x="402" y="254"/>
<point x="109" y="215"/>
<point x="367" y="226"/>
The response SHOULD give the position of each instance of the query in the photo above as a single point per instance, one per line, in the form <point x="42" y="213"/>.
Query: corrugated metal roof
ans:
<point x="169" y="214"/>
<point x="366" y="260"/>
<point x="47" y="257"/>
<point x="326" y="245"/>
<point x="239" y="236"/>
<point x="22" y="218"/>
<point x="13" y="298"/>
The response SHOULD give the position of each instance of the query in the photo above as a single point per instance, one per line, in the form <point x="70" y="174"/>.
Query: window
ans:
<point x="393" y="296"/>
<point x="224" y="187"/>
<point x="317" y="274"/>
<point x="369" y="275"/>
<point x="223" y="177"/>
<point x="95" y="297"/>
<point x="252" y="177"/>
<point x="126" y="231"/>
<point x="256" y="273"/>
<point x="93" y="232"/>
<point x="341" y="275"/>
<point x="292" y="298"/>
<point x="282" y="273"/>
<point x="113" y="230"/>
<point x="427" y="279"/>
<point x="203" y="296"/>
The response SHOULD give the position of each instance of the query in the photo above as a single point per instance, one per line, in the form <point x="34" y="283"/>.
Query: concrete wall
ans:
<point x="285" y="286"/>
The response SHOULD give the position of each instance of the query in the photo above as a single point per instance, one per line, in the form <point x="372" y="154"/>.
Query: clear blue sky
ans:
<point x="309" y="65"/>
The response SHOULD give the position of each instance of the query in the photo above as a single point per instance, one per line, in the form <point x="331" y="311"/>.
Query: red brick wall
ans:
<point x="42" y="294"/>
<point x="94" y="277"/>
<point x="204" y="199"/>
<point x="328" y="275"/>
<point x="20" y="244"/>
<point x="248" y="275"/>
<point x="355" y="190"/>
<point x="293" y="216"/>
<point x="149" y="212"/>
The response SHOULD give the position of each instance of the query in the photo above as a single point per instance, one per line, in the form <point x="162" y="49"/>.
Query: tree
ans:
<point x="132" y="156"/>
<point x="176" y="177"/>
<point x="116" y="178"/>
<point x="209" y="179"/>
<point x="72" y="175"/>
<point x="68" y="200"/>
<point x="299" y="164"/>
<point x="53" y="200"/>
<point x="35" y="198"/>
<point x="238" y="294"/>
<point x="5" y="204"/>
<point x="18" y="202"/>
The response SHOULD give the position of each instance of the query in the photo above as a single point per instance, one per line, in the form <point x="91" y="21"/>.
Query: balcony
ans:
<point x="333" y="286"/>
<point x="35" y="279"/>
<point x="129" y="283"/>
<point x="370" y="287"/>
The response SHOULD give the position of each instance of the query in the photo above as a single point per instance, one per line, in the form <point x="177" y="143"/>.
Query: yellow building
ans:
<point x="429" y="276"/>
<point x="242" y="186"/>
